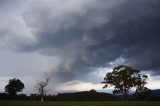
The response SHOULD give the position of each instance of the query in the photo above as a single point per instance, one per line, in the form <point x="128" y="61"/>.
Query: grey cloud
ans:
<point x="93" y="33"/>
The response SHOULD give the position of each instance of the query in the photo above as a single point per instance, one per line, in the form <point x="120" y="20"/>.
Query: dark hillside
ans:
<point x="86" y="96"/>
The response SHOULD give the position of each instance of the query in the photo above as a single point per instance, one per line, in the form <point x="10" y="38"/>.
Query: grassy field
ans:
<point x="122" y="103"/>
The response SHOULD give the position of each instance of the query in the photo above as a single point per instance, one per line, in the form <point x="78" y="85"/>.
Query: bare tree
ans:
<point x="41" y="88"/>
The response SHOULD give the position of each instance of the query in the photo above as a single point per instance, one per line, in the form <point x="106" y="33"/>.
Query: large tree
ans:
<point x="124" y="78"/>
<point x="14" y="86"/>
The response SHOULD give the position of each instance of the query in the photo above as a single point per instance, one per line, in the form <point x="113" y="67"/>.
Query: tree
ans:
<point x="142" y="91"/>
<point x="14" y="86"/>
<point x="124" y="78"/>
<point x="41" y="88"/>
<point x="141" y="94"/>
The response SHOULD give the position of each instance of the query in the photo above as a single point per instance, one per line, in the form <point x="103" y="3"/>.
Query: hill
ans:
<point x="86" y="96"/>
<point x="155" y="92"/>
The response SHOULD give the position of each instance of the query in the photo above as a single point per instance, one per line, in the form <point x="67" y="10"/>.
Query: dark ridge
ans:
<point x="155" y="92"/>
<point x="86" y="96"/>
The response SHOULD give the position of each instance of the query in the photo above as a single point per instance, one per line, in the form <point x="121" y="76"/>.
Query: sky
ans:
<point x="76" y="42"/>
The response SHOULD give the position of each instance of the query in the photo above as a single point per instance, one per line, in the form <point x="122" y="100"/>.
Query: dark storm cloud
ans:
<point x="137" y="26"/>
<point x="92" y="33"/>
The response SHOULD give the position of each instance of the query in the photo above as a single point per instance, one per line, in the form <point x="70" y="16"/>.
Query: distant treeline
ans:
<point x="77" y="96"/>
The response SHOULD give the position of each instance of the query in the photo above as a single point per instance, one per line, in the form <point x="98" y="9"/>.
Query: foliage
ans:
<point x="124" y="78"/>
<point x="14" y="86"/>
<point x="141" y="93"/>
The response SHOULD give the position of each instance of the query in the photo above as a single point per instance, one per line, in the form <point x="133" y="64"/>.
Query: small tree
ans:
<point x="124" y="78"/>
<point x="14" y="86"/>
<point x="142" y="91"/>
<point x="41" y="88"/>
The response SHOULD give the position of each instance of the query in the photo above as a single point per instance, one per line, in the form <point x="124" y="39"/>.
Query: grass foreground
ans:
<point x="117" y="103"/>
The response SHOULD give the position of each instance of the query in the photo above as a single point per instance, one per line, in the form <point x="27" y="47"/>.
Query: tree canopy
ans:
<point x="14" y="86"/>
<point x="124" y="78"/>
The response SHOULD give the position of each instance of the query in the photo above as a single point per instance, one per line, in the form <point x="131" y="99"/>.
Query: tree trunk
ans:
<point x="125" y="94"/>
<point x="42" y="100"/>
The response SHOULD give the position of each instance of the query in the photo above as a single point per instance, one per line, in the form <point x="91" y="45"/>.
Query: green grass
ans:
<point x="122" y="103"/>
